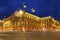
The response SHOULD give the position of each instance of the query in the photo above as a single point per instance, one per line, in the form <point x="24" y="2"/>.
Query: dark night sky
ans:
<point x="43" y="7"/>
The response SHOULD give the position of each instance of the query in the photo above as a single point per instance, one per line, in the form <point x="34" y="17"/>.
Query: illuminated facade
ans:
<point x="22" y="20"/>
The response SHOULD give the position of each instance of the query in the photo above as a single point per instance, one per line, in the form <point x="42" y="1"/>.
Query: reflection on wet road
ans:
<point x="30" y="36"/>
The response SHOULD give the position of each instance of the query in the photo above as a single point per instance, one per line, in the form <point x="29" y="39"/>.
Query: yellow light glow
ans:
<point x="43" y="24"/>
<point x="23" y="29"/>
<point x="7" y="24"/>
<point x="44" y="29"/>
<point x="0" y="20"/>
<point x="21" y="12"/>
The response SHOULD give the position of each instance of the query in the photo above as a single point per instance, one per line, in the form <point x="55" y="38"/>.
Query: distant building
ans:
<point x="21" y="19"/>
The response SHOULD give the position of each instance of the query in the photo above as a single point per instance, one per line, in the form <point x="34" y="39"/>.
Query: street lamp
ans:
<point x="24" y="5"/>
<point x="21" y="13"/>
<point x="33" y="10"/>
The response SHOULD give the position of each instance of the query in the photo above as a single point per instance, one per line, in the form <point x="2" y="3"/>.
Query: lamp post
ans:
<point x="24" y="5"/>
<point x="21" y="12"/>
<point x="33" y="10"/>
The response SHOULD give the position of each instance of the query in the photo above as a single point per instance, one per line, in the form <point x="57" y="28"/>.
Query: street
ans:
<point x="30" y="35"/>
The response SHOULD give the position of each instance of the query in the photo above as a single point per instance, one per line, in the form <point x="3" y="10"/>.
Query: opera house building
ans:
<point x="24" y="21"/>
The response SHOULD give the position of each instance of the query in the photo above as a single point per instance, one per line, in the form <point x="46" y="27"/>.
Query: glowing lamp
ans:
<point x="24" y="5"/>
<point x="33" y="10"/>
<point x="21" y="13"/>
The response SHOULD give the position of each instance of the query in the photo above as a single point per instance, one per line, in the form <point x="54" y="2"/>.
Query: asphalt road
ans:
<point x="29" y="35"/>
